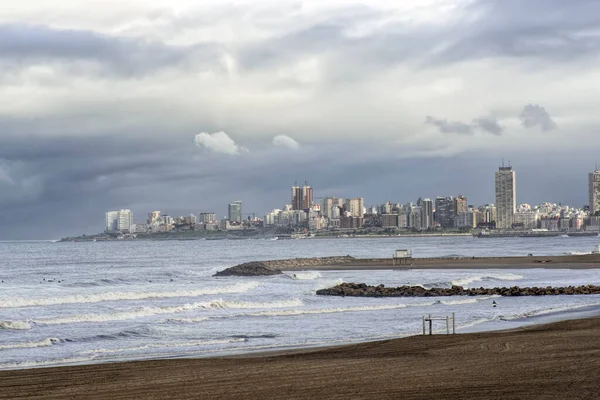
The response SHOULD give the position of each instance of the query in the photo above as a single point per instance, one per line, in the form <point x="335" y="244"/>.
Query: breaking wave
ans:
<point x="114" y="296"/>
<point x="15" y="325"/>
<point x="305" y="275"/>
<point x="24" y="345"/>
<point x="167" y="345"/>
<point x="479" y="278"/>
<point x="151" y="311"/>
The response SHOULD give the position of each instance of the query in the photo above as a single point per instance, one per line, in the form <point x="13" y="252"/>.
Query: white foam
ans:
<point x="305" y="275"/>
<point x="478" y="278"/>
<point x="24" y="345"/>
<point x="457" y="302"/>
<point x="327" y="310"/>
<point x="114" y="296"/>
<point x="544" y="311"/>
<point x="166" y="346"/>
<point x="151" y="311"/>
<point x="190" y="320"/>
<point x="15" y="325"/>
<point x="45" y="363"/>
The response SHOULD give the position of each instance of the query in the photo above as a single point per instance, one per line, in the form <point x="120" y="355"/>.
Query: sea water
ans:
<point x="93" y="302"/>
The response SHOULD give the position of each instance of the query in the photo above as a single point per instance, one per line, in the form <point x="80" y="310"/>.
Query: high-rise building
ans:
<point x="506" y="197"/>
<point x="119" y="221"/>
<point x="444" y="211"/>
<point x="355" y="207"/>
<point x="235" y="212"/>
<point x="153" y="217"/>
<point x="302" y="197"/>
<point x="426" y="213"/>
<point x="296" y="197"/>
<point x="594" y="191"/>
<point x="207" y="218"/>
<point x="327" y="205"/>
<point x="460" y="204"/>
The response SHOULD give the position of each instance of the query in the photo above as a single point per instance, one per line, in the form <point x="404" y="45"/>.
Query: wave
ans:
<point x="166" y="345"/>
<point x="151" y="311"/>
<point x="552" y="310"/>
<point x="15" y="325"/>
<point x="457" y="302"/>
<point x="326" y="310"/>
<point x="45" y="363"/>
<point x="479" y="278"/>
<point x="101" y="282"/>
<point x="114" y="296"/>
<point x="305" y="275"/>
<point x="24" y="345"/>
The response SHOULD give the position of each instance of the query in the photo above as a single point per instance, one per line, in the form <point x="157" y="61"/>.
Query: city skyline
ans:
<point x="186" y="105"/>
<point x="443" y="212"/>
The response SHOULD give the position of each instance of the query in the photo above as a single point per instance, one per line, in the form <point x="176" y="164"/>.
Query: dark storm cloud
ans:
<point x="27" y="44"/>
<point x="534" y="115"/>
<point x="488" y="124"/>
<point x="446" y="126"/>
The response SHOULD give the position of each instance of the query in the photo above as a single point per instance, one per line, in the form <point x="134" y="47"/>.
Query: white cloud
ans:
<point x="285" y="142"/>
<point x="219" y="142"/>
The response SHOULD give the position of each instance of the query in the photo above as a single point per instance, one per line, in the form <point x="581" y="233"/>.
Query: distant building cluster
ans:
<point x="337" y="213"/>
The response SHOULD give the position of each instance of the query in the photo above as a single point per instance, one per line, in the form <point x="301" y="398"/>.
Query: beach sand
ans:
<point x="554" y="361"/>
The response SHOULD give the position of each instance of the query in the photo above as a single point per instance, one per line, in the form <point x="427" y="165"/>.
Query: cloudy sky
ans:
<point x="183" y="106"/>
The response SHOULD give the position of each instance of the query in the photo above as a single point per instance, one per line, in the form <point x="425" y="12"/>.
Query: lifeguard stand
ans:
<point x="402" y="257"/>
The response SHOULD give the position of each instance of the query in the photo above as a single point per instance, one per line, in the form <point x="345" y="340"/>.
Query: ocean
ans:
<point x="94" y="302"/>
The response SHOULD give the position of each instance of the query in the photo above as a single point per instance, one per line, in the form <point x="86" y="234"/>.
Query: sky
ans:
<point x="184" y="106"/>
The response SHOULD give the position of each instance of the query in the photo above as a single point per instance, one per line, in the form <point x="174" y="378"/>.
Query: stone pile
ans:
<point x="362" y="289"/>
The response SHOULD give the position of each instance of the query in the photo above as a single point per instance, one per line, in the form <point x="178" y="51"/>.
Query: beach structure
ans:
<point x="428" y="320"/>
<point x="402" y="257"/>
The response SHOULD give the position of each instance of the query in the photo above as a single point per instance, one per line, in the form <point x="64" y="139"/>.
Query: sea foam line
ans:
<point x="151" y="311"/>
<point x="115" y="296"/>
<point x="478" y="278"/>
<point x="166" y="346"/>
<point x="24" y="345"/>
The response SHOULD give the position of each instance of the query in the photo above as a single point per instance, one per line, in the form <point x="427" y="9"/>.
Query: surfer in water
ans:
<point x="494" y="304"/>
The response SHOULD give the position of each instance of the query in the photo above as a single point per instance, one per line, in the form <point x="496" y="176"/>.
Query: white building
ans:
<point x="594" y="191"/>
<point x="119" y="221"/>
<point x="506" y="197"/>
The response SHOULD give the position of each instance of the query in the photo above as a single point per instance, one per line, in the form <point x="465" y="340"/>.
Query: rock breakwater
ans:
<point x="364" y="290"/>
<point x="275" y="267"/>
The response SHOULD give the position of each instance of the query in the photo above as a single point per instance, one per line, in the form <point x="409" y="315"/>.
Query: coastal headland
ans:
<point x="584" y="261"/>
<point x="555" y="361"/>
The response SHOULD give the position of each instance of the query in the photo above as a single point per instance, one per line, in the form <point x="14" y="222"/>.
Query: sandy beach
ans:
<point x="554" y="361"/>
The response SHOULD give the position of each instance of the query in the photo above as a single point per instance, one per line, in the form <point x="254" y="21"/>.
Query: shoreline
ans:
<point x="555" y="360"/>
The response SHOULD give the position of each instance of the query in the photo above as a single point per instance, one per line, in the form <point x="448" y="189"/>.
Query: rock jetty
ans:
<point x="364" y="290"/>
<point x="275" y="267"/>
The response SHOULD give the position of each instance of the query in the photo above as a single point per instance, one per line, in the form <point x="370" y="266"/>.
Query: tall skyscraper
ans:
<point x="119" y="221"/>
<point x="460" y="204"/>
<point x="355" y="207"/>
<point x="327" y="205"/>
<point x="307" y="196"/>
<point x="235" y="212"/>
<point x="594" y="191"/>
<point x="426" y="213"/>
<point x="506" y="197"/>
<point x="302" y="197"/>
<point x="444" y="211"/>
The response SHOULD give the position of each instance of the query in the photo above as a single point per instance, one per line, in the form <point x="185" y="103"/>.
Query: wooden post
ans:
<point x="453" y="324"/>
<point x="447" y="326"/>
<point x="430" y="325"/>
<point x="423" y="324"/>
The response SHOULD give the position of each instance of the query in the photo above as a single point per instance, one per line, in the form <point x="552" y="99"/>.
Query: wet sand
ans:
<point x="587" y="261"/>
<point x="554" y="361"/>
